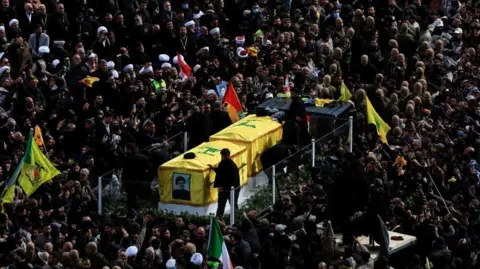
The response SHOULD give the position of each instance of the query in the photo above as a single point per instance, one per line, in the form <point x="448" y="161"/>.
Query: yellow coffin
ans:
<point x="190" y="181"/>
<point x="256" y="134"/>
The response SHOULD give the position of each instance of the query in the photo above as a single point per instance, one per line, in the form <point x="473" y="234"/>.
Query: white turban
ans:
<point x="131" y="251"/>
<point x="12" y="22"/>
<point x="171" y="264"/>
<point x="175" y="59"/>
<point x="3" y="69"/>
<point x="115" y="74"/>
<point x="44" y="50"/>
<point x="166" y="65"/>
<point x="198" y="15"/>
<point x="147" y="70"/>
<point x="197" y="259"/>
<point x="128" y="68"/>
<point x="163" y="58"/>
<point x="215" y="31"/>
<point x="189" y="23"/>
<point x="110" y="65"/>
<point x="196" y="68"/>
<point x="55" y="63"/>
<point x="211" y="92"/>
<point x="101" y="29"/>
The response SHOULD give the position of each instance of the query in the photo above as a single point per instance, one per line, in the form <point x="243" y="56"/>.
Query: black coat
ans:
<point x="136" y="167"/>
<point x="226" y="175"/>
<point x="220" y="121"/>
<point x="58" y="27"/>
<point x="199" y="128"/>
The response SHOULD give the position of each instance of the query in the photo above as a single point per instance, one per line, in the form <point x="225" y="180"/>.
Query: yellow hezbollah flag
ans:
<point x="374" y="118"/>
<point x="38" y="136"/>
<point x="345" y="93"/>
<point x="320" y="102"/>
<point x="8" y="193"/>
<point x="88" y="81"/>
<point x="36" y="170"/>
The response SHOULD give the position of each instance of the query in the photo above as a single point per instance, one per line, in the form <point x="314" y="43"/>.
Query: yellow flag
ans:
<point x="322" y="102"/>
<point x="9" y="192"/>
<point x="38" y="136"/>
<point x="427" y="263"/>
<point x="36" y="170"/>
<point x="374" y="118"/>
<point x="88" y="81"/>
<point x="345" y="93"/>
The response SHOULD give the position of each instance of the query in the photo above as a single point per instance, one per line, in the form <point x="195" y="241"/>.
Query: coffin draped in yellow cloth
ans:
<point x="256" y="134"/>
<point x="190" y="181"/>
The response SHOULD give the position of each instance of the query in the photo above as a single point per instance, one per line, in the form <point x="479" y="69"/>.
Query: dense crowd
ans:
<point x="104" y="81"/>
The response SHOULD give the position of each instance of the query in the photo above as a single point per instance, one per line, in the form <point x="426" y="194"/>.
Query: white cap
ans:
<point x="110" y="65"/>
<point x="92" y="56"/>
<point x="197" y="259"/>
<point x="44" y="50"/>
<point x="128" y="68"/>
<point x="240" y="40"/>
<point x="147" y="70"/>
<point x="175" y="59"/>
<point x="189" y="23"/>
<point x="115" y="74"/>
<point x="242" y="53"/>
<point x="2" y="28"/>
<point x="215" y="31"/>
<point x="12" y="21"/>
<point x="3" y="68"/>
<point x="458" y="31"/>
<point x="55" y="63"/>
<point x="131" y="251"/>
<point x="101" y="29"/>
<point x="196" y="67"/>
<point x="171" y="264"/>
<point x="163" y="58"/>
<point x="166" y="65"/>
<point x="269" y="95"/>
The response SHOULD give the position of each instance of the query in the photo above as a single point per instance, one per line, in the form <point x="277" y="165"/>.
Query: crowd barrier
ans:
<point x="263" y="181"/>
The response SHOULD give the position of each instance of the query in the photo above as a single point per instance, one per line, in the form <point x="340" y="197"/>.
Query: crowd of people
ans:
<point x="105" y="80"/>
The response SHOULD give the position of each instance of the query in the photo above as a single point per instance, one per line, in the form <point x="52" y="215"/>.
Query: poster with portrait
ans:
<point x="222" y="88"/>
<point x="181" y="186"/>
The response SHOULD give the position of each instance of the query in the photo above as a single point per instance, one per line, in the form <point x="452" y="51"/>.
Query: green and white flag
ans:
<point x="216" y="246"/>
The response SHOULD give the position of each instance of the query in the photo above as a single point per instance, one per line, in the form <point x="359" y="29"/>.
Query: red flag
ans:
<point x="185" y="70"/>
<point x="232" y="102"/>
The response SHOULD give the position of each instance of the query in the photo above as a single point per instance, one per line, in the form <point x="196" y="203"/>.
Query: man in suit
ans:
<point x="180" y="193"/>
<point x="37" y="40"/>
<point x="27" y="20"/>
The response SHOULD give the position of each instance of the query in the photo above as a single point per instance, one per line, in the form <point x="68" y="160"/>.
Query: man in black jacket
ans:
<point x="220" y="119"/>
<point x="136" y="169"/>
<point x="227" y="177"/>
